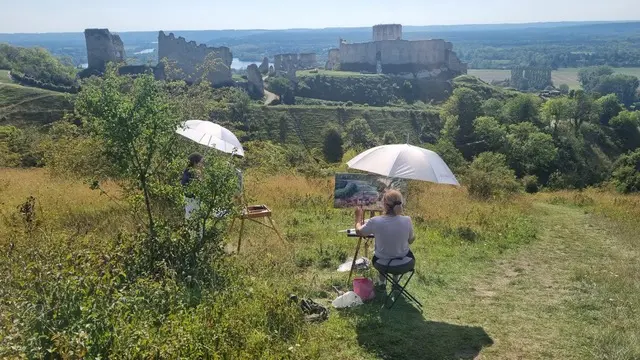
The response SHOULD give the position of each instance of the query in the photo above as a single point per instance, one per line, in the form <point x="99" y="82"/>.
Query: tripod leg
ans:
<point x="274" y="228"/>
<point x="355" y="257"/>
<point x="240" y="237"/>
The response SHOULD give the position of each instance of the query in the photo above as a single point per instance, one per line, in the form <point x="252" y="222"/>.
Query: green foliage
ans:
<point x="602" y="80"/>
<point x="589" y="77"/>
<point x="531" y="152"/>
<point x="492" y="107"/>
<point x="282" y="87"/>
<point x="609" y="107"/>
<point x="490" y="177"/>
<point x="626" y="174"/>
<point x="490" y="132"/>
<point x="522" y="108"/>
<point x="332" y="146"/>
<point x="36" y="63"/>
<point x="530" y="184"/>
<point x="359" y="135"/>
<point x="556" y="111"/>
<point x="451" y="155"/>
<point x="626" y="125"/>
<point x="625" y="87"/>
<point x="459" y="112"/>
<point x="389" y="138"/>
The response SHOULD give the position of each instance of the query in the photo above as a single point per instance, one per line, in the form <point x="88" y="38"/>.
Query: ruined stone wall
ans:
<point x="387" y="32"/>
<point x="401" y="56"/>
<point x="307" y="61"/>
<point x="282" y="62"/>
<point x="188" y="57"/>
<point x="102" y="48"/>
<point x="524" y="78"/>
<point x="333" y="62"/>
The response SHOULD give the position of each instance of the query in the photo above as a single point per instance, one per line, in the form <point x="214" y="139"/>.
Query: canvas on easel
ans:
<point x="365" y="190"/>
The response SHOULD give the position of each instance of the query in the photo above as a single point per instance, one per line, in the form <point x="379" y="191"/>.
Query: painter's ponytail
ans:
<point x="393" y="202"/>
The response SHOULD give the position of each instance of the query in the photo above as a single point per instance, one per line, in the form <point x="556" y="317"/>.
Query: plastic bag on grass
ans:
<point x="346" y="300"/>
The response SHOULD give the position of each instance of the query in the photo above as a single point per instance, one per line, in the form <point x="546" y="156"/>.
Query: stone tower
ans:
<point x="103" y="47"/>
<point x="387" y="32"/>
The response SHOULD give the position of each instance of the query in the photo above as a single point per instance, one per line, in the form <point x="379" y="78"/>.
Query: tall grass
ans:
<point x="67" y="287"/>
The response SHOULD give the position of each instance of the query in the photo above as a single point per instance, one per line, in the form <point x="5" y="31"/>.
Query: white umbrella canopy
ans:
<point x="211" y="135"/>
<point x="406" y="162"/>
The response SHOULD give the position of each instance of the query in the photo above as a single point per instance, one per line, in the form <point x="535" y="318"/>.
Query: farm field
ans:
<point x="567" y="76"/>
<point x="546" y="276"/>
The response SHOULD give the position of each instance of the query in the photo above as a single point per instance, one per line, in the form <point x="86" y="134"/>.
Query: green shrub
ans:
<point x="332" y="145"/>
<point x="530" y="183"/>
<point x="490" y="177"/>
<point x="626" y="174"/>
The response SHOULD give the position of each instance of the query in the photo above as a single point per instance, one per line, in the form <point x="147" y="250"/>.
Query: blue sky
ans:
<point x="133" y="15"/>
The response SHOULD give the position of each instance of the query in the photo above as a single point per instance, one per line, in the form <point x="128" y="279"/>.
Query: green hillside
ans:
<point x="21" y="105"/>
<point x="305" y="124"/>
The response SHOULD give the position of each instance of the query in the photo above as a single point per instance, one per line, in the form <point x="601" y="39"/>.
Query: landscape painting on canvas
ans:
<point x="364" y="190"/>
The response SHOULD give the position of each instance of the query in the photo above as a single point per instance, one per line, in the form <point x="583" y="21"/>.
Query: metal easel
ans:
<point x="366" y="239"/>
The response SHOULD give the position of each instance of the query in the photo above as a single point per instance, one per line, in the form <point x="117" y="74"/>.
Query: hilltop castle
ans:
<point x="388" y="53"/>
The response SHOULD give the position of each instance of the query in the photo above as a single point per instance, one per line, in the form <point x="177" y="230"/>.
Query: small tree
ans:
<point x="609" y="107"/>
<point x="332" y="145"/>
<point x="490" y="177"/>
<point x="389" y="138"/>
<point x="359" y="134"/>
<point x="626" y="177"/>
<point x="136" y="122"/>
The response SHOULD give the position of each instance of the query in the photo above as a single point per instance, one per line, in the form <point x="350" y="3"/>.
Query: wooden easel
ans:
<point x="251" y="213"/>
<point x="372" y="213"/>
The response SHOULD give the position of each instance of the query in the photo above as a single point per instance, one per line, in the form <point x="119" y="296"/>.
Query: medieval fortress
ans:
<point x="387" y="53"/>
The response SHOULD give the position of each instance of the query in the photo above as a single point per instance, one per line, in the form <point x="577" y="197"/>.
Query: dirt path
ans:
<point x="269" y="97"/>
<point x="529" y="301"/>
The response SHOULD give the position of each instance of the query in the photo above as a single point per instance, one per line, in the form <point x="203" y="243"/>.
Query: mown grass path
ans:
<point x="570" y="294"/>
<point x="532" y="301"/>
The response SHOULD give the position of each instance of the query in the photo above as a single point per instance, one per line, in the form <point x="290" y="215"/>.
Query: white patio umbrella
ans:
<point x="211" y="135"/>
<point x="405" y="162"/>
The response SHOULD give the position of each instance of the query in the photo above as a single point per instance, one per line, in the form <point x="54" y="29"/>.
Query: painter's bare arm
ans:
<point x="359" y="220"/>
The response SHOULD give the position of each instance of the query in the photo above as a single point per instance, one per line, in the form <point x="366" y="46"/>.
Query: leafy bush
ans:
<point x="490" y="177"/>
<point x="37" y="65"/>
<point x="626" y="174"/>
<point x="530" y="184"/>
<point x="332" y="146"/>
<point x="359" y="134"/>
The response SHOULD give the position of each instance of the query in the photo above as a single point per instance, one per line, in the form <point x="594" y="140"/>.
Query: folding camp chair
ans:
<point x="402" y="271"/>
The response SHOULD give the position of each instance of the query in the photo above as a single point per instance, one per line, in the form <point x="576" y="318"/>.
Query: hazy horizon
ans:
<point x="47" y="16"/>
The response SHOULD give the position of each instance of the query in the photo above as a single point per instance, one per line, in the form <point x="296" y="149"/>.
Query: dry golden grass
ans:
<point x="480" y="273"/>
<point x="61" y="204"/>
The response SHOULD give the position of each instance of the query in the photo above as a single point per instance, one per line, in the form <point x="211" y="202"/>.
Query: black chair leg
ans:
<point x="401" y="289"/>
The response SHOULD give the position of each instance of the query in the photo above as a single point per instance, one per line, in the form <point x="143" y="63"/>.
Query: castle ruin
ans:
<point x="525" y="78"/>
<point x="189" y="57"/>
<point x="388" y="53"/>
<point x="303" y="61"/>
<point x="103" y="47"/>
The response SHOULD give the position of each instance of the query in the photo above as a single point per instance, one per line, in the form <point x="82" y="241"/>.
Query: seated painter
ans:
<point x="393" y="233"/>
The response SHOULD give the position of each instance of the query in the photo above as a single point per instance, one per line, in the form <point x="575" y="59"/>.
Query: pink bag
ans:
<point x="364" y="288"/>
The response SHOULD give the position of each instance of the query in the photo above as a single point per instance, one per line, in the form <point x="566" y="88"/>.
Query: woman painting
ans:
<point x="393" y="234"/>
<point x="191" y="172"/>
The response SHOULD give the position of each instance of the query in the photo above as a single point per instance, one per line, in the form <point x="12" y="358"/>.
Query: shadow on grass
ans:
<point x="403" y="333"/>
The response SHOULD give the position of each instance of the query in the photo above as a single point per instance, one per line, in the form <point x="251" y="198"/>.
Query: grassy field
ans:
<point x="567" y="76"/>
<point x="538" y="277"/>
<point x="4" y="77"/>
<point x="22" y="105"/>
